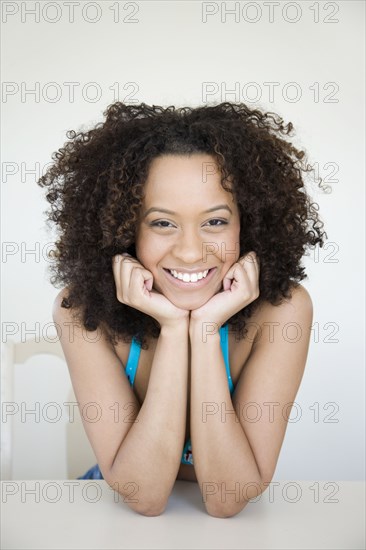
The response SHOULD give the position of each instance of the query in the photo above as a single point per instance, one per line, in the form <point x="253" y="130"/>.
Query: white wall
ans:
<point x="165" y="57"/>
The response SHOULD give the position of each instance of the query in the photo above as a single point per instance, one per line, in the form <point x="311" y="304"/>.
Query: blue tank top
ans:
<point x="131" y="368"/>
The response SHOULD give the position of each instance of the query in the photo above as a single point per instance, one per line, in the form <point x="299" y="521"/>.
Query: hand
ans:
<point x="134" y="288"/>
<point x="241" y="287"/>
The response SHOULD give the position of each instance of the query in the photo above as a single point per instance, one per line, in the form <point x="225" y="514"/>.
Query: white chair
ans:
<point x="42" y="434"/>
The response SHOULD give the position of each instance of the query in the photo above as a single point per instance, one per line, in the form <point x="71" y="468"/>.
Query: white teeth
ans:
<point x="187" y="278"/>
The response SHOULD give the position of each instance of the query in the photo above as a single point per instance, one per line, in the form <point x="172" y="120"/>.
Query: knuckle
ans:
<point x="121" y="295"/>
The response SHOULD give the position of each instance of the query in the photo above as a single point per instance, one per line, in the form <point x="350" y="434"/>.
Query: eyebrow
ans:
<point x="218" y="207"/>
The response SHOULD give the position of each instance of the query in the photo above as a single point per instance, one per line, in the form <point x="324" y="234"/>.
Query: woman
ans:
<point x="181" y="238"/>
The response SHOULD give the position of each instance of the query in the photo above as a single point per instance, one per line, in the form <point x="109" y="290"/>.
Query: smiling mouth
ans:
<point x="186" y="279"/>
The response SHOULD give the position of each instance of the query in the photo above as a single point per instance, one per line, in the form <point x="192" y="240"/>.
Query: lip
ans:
<point x="190" y="271"/>
<point x="181" y="284"/>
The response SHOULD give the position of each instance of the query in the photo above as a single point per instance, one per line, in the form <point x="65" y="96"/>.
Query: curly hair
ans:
<point x="96" y="187"/>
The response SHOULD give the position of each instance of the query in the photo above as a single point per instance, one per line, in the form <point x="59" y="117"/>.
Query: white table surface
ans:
<point x="89" y="514"/>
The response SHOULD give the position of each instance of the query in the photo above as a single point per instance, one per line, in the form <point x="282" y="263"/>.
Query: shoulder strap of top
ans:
<point x="224" y="341"/>
<point x="135" y="349"/>
<point x="132" y="362"/>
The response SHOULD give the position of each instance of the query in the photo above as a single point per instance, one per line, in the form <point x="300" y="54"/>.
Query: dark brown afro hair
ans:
<point x="96" y="186"/>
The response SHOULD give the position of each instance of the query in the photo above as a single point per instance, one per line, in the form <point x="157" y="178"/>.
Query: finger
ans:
<point x="226" y="283"/>
<point x="141" y="279"/>
<point x="250" y="263"/>
<point x="257" y="263"/>
<point x="120" y="259"/>
<point x="250" y="258"/>
<point x="128" y="259"/>
<point x="116" y="266"/>
<point x="117" y="262"/>
<point x="251" y="267"/>
<point x="149" y="284"/>
<point x="122" y="271"/>
<point x="236" y="274"/>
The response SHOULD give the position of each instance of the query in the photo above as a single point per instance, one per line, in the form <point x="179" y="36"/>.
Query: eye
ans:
<point x="221" y="222"/>
<point x="157" y="224"/>
<point x="216" y="222"/>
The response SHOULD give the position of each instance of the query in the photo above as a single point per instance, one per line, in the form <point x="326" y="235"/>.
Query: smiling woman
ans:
<point x="178" y="247"/>
<point x="189" y="226"/>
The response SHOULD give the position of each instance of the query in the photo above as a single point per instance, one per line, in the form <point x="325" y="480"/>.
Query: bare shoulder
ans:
<point x="288" y="319"/>
<point x="57" y="308"/>
<point x="63" y="315"/>
<point x="291" y="318"/>
<point x="69" y="320"/>
<point x="66" y="317"/>
<point x="300" y="298"/>
<point x="299" y="303"/>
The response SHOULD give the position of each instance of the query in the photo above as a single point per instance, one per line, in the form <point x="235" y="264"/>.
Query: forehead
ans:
<point x="181" y="178"/>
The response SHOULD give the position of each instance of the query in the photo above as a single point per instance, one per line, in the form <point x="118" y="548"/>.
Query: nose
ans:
<point x="188" y="249"/>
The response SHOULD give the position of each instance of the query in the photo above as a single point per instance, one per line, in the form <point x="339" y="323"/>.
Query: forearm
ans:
<point x="150" y="454"/>
<point x="225" y="466"/>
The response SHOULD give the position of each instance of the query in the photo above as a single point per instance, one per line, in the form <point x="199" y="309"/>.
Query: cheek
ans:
<point x="142" y="248"/>
<point x="230" y="248"/>
<point x="149" y="248"/>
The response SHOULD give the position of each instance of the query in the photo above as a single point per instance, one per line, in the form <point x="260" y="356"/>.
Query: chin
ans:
<point x="188" y="304"/>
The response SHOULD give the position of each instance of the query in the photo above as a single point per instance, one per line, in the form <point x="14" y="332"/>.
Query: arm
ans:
<point x="138" y="449"/>
<point x="234" y="457"/>
<point x="151" y="452"/>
